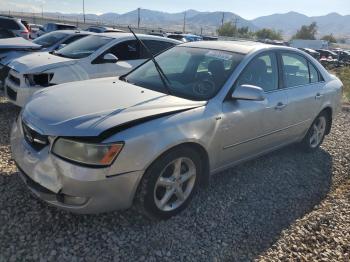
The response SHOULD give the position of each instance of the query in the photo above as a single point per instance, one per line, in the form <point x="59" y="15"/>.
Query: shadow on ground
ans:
<point x="237" y="217"/>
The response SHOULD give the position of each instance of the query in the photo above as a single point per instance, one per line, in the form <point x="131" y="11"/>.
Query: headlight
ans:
<point x="87" y="153"/>
<point x="42" y="80"/>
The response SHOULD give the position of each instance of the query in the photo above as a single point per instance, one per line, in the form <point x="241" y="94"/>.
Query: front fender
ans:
<point x="146" y="142"/>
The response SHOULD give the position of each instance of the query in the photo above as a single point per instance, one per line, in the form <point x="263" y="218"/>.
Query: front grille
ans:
<point x="15" y="80"/>
<point x="12" y="94"/>
<point x="34" y="138"/>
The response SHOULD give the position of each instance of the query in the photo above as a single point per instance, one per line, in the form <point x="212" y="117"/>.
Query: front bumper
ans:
<point x="71" y="187"/>
<point x="18" y="93"/>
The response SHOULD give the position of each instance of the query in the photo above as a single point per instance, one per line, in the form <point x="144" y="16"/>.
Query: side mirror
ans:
<point x="110" y="58"/>
<point x="248" y="92"/>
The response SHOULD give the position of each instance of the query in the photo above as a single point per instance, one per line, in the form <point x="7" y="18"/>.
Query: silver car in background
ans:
<point x="153" y="138"/>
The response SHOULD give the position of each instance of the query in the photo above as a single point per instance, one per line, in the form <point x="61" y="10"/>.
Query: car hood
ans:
<point x="17" y="43"/>
<point x="39" y="62"/>
<point x="88" y="108"/>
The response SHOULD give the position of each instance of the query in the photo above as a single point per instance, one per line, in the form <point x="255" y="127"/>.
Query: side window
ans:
<point x="72" y="39"/>
<point x="262" y="71"/>
<point x="314" y="75"/>
<point x="155" y="47"/>
<point x="295" y="70"/>
<point x="128" y="50"/>
<point x="9" y="24"/>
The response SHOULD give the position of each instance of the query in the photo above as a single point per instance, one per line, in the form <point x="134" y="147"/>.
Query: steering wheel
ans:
<point x="204" y="87"/>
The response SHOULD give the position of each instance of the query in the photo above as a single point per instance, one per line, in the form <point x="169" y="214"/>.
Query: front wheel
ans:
<point x="316" y="133"/>
<point x="170" y="182"/>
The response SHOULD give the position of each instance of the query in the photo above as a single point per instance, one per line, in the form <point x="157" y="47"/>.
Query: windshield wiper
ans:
<point x="163" y="77"/>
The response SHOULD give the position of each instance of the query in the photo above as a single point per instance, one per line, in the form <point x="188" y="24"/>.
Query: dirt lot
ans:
<point x="287" y="205"/>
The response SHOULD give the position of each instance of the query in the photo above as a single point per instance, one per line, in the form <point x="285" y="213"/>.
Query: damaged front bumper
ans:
<point x="71" y="187"/>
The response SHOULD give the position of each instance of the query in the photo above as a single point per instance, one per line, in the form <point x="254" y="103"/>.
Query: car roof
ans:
<point x="119" y="35"/>
<point x="52" y="23"/>
<point x="243" y="47"/>
<point x="72" y="32"/>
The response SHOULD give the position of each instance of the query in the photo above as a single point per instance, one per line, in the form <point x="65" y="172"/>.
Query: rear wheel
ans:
<point x="316" y="133"/>
<point x="170" y="182"/>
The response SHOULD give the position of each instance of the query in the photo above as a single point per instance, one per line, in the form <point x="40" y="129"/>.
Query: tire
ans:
<point x="163" y="181"/>
<point x="316" y="133"/>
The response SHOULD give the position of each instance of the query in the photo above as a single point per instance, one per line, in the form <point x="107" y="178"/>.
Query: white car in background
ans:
<point x="95" y="56"/>
<point x="14" y="48"/>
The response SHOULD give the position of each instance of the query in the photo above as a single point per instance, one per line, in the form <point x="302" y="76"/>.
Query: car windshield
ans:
<point x="193" y="73"/>
<point x="50" y="39"/>
<point x="83" y="47"/>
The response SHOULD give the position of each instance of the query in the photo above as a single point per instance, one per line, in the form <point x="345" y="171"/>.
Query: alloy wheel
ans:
<point x="319" y="129"/>
<point x="175" y="184"/>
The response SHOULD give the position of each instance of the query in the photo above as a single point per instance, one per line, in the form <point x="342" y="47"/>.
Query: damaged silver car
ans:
<point x="153" y="136"/>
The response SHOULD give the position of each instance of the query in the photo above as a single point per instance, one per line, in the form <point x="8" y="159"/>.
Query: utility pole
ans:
<point x="184" y="27"/>
<point x="84" y="10"/>
<point x="42" y="13"/>
<point x="138" y="17"/>
<point x="223" y="19"/>
<point x="235" y="22"/>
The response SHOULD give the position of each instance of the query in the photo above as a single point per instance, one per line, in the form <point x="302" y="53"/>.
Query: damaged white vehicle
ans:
<point x="14" y="48"/>
<point x="95" y="56"/>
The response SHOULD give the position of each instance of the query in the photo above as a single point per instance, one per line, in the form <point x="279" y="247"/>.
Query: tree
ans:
<point x="330" y="38"/>
<point x="266" y="33"/>
<point x="307" y="32"/>
<point x="227" y="29"/>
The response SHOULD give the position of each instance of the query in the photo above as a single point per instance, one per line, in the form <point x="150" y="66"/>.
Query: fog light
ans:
<point x="72" y="200"/>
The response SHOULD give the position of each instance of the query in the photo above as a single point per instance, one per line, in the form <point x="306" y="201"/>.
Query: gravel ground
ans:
<point x="286" y="205"/>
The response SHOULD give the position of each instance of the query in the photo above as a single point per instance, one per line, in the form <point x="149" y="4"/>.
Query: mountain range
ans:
<point x="196" y="21"/>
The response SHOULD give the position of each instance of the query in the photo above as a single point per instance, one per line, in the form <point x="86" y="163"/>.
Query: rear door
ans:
<point x="304" y="85"/>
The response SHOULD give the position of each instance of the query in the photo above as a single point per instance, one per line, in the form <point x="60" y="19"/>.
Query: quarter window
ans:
<point x="262" y="72"/>
<point x="155" y="47"/>
<point x="295" y="69"/>
<point x="314" y="75"/>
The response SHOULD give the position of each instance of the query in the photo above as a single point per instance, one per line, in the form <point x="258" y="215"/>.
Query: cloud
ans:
<point x="23" y="6"/>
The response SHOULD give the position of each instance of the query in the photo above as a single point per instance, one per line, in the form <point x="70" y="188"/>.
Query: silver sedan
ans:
<point x="153" y="136"/>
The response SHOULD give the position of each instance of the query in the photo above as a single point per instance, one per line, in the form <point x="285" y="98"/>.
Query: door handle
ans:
<point x="318" y="96"/>
<point x="280" y="106"/>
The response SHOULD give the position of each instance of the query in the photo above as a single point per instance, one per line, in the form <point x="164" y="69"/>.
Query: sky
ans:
<point x="248" y="9"/>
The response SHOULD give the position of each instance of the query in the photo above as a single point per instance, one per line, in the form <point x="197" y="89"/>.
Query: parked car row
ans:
<point x="330" y="58"/>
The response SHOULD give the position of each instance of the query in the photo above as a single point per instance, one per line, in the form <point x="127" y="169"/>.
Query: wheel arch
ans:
<point x="202" y="153"/>
<point x="329" y="112"/>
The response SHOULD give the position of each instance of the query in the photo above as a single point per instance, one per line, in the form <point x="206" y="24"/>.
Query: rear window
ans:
<point x="9" y="24"/>
<point x="66" y="27"/>
<point x="176" y="37"/>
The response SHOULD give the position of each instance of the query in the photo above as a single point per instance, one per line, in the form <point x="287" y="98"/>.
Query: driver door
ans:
<point x="249" y="128"/>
